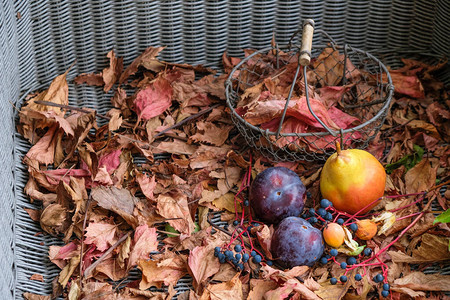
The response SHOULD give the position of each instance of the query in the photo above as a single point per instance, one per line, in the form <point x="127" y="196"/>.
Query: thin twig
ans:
<point x="88" y="203"/>
<point x="86" y="111"/>
<point x="89" y="269"/>
<point x="184" y="121"/>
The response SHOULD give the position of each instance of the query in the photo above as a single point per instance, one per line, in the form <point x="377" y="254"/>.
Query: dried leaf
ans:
<point x="432" y="249"/>
<point x="44" y="150"/>
<point x="202" y="263"/>
<point x="145" y="241"/>
<point x="209" y="133"/>
<point x="111" y="74"/>
<point x="31" y="296"/>
<point x="175" y="208"/>
<point x="231" y="290"/>
<point x="117" y="200"/>
<point x="37" y="277"/>
<point x="102" y="235"/>
<point x="227" y="202"/>
<point x="421" y="177"/>
<point x="259" y="287"/>
<point x="424" y="282"/>
<point x="153" y="100"/>
<point x="149" y="54"/>
<point x="54" y="219"/>
<point x="58" y="92"/>
<point x="147" y="184"/>
<point x="167" y="270"/>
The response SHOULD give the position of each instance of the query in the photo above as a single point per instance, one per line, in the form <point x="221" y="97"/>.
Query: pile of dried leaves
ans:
<point x="112" y="212"/>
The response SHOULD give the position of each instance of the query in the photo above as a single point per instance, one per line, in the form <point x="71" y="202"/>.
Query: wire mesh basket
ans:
<point x="304" y="128"/>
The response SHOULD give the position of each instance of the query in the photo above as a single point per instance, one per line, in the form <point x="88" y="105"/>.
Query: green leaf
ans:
<point x="408" y="161"/>
<point x="443" y="218"/>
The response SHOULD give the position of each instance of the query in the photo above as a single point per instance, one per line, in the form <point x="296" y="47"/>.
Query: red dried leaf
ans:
<point x="147" y="184"/>
<point x="174" y="207"/>
<point x="153" y="100"/>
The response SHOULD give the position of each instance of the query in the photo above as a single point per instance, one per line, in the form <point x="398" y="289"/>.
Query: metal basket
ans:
<point x="367" y="99"/>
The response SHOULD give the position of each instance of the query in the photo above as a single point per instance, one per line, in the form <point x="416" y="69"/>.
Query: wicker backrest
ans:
<point x="39" y="39"/>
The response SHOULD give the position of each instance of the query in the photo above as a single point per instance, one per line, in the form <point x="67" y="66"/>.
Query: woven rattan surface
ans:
<point x="40" y="39"/>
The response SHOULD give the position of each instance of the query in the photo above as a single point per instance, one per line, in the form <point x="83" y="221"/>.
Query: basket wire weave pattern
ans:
<point x="368" y="100"/>
<point x="39" y="39"/>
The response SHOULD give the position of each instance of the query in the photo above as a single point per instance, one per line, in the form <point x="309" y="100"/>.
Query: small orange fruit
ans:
<point x="333" y="234"/>
<point x="366" y="229"/>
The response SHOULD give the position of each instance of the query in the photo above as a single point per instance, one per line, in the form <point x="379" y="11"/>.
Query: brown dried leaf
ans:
<point x="68" y="270"/>
<point x="34" y="214"/>
<point x="115" y="120"/>
<point x="147" y="184"/>
<point x="209" y="133"/>
<point x="259" y="287"/>
<point x="166" y="269"/>
<point x="44" y="150"/>
<point x="202" y="263"/>
<point x="432" y="249"/>
<point x="37" y="277"/>
<point x="225" y="273"/>
<point x="110" y="268"/>
<point x="173" y="206"/>
<point x="227" y="202"/>
<point x="111" y="74"/>
<point x="102" y="235"/>
<point x="120" y="201"/>
<point x="145" y="241"/>
<point x="31" y="296"/>
<point x="177" y="147"/>
<point x="408" y="292"/>
<point x="93" y="79"/>
<point x="230" y="290"/>
<point x="54" y="219"/>
<point x="264" y="236"/>
<point x="58" y="92"/>
<point x="292" y="285"/>
<point x="280" y="275"/>
<point x="148" y="55"/>
<point x="421" y="177"/>
<point x="332" y="292"/>
<point x="424" y="282"/>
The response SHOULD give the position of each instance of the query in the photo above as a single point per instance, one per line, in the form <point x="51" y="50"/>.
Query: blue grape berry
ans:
<point x="343" y="278"/>
<point x="217" y="249"/>
<point x="312" y="211"/>
<point x="333" y="280"/>
<point x="238" y="256"/>
<point x="253" y="253"/>
<point x="238" y="248"/>
<point x="321" y="212"/>
<point x="229" y="254"/>
<point x="353" y="227"/>
<point x="333" y="252"/>
<point x="367" y="251"/>
<point x="385" y="293"/>
<point x="378" y="278"/>
<point x="343" y="265"/>
<point x="305" y="216"/>
<point x="312" y="220"/>
<point x="246" y="203"/>
<point x="235" y="222"/>
<point x="245" y="257"/>
<point x="386" y="286"/>
<point x="358" y="277"/>
<point x="325" y="203"/>
<point x="340" y="221"/>
<point x="328" y="216"/>
<point x="221" y="257"/>
<point x="351" y="260"/>
<point x="257" y="259"/>
<point x="269" y="263"/>
<point x="240" y="267"/>
<point x="324" y="260"/>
